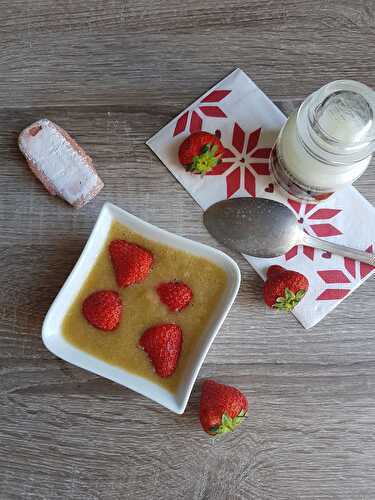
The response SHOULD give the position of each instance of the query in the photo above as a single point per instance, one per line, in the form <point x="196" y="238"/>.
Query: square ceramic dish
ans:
<point x="52" y="327"/>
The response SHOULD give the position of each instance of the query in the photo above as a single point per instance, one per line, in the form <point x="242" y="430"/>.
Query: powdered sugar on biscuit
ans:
<point x="68" y="173"/>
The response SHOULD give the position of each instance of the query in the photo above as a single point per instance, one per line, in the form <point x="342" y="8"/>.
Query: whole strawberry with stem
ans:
<point x="222" y="407"/>
<point x="284" y="289"/>
<point x="201" y="152"/>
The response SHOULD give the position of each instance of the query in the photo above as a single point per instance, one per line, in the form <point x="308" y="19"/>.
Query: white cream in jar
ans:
<point x="327" y="144"/>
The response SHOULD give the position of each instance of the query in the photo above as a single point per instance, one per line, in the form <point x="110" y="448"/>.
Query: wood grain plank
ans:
<point x="123" y="52"/>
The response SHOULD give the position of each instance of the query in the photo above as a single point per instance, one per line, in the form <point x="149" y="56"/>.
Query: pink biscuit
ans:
<point x="60" y="164"/>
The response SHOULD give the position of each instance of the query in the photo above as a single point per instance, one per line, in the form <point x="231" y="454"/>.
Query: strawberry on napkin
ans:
<point x="247" y="123"/>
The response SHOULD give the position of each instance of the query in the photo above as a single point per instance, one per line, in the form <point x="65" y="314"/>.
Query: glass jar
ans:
<point x="327" y="144"/>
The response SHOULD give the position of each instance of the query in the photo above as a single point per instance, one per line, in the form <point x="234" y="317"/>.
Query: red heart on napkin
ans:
<point x="269" y="188"/>
<point x="326" y="255"/>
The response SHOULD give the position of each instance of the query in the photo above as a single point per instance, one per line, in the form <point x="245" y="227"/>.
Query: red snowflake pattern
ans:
<point x="312" y="219"/>
<point x="354" y="271"/>
<point x="244" y="161"/>
<point x="203" y="108"/>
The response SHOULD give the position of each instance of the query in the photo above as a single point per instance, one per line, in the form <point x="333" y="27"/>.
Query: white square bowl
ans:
<point x="52" y="327"/>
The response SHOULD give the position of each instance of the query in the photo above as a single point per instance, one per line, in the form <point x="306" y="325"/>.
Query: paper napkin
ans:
<point x="248" y="123"/>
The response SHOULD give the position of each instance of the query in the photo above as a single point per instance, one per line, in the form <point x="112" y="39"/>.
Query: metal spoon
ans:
<point x="265" y="228"/>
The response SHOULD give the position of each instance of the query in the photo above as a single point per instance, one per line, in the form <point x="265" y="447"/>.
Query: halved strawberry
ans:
<point x="175" y="295"/>
<point x="103" y="309"/>
<point x="132" y="263"/>
<point x="163" y="345"/>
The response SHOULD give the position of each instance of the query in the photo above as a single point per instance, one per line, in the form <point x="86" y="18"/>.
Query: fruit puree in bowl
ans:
<point x="143" y="309"/>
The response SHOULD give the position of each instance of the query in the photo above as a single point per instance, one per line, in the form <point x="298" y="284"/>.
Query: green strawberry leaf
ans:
<point x="280" y="306"/>
<point x="226" y="421"/>
<point x="228" y="424"/>
<point x="237" y="420"/>
<point x="289" y="295"/>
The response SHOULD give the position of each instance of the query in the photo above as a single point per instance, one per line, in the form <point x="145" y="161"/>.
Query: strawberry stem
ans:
<point x="228" y="424"/>
<point x="289" y="301"/>
<point x="205" y="161"/>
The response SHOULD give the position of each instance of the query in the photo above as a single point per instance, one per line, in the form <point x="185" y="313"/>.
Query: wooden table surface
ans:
<point x="112" y="73"/>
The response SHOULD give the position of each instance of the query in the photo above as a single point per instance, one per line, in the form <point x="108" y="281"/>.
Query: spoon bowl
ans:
<point x="254" y="226"/>
<point x="266" y="228"/>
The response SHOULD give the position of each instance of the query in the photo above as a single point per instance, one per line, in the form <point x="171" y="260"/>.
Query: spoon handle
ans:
<point x="352" y="253"/>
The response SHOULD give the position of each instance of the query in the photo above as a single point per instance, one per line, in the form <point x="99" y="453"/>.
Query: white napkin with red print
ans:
<point x="248" y="124"/>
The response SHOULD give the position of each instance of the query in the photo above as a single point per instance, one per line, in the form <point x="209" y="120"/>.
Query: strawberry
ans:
<point x="103" y="310"/>
<point x="163" y="345"/>
<point x="222" y="407"/>
<point x="131" y="262"/>
<point x="175" y="295"/>
<point x="284" y="289"/>
<point x="200" y="152"/>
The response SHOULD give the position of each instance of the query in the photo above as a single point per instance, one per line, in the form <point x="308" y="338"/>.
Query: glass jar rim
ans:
<point x="320" y="141"/>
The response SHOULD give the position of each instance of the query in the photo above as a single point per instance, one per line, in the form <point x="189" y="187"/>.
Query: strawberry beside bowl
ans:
<point x="52" y="332"/>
